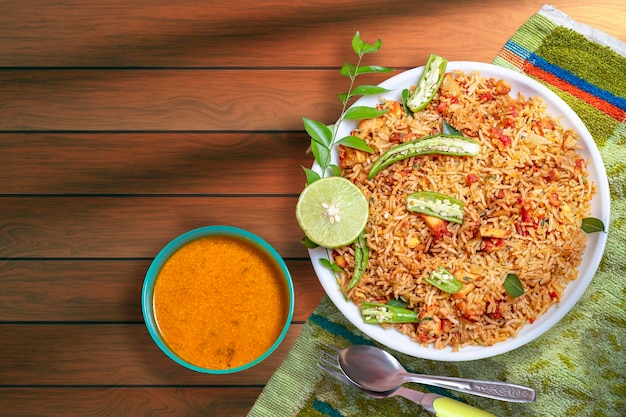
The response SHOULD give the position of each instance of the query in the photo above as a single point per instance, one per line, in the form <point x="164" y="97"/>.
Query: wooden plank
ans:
<point x="150" y="163"/>
<point x="97" y="402"/>
<point x="274" y="33"/>
<point x="104" y="291"/>
<point x="168" y="100"/>
<point x="136" y="227"/>
<point x="107" y="355"/>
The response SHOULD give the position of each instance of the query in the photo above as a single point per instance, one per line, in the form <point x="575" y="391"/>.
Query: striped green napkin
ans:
<point x="578" y="367"/>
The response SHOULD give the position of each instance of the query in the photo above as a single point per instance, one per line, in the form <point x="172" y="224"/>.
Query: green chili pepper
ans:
<point x="428" y="84"/>
<point x="444" y="280"/>
<point x="437" y="205"/>
<point x="442" y="144"/>
<point x="361" y="256"/>
<point x="373" y="312"/>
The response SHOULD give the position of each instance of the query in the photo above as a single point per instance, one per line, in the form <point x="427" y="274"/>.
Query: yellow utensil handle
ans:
<point x="447" y="407"/>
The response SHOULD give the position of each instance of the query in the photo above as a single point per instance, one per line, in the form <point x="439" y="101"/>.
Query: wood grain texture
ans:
<point x="90" y="291"/>
<point x="145" y="402"/>
<point x="124" y="124"/>
<point x="135" y="226"/>
<point x="272" y="33"/>
<point x="108" y="355"/>
<point x="141" y="100"/>
<point x="153" y="163"/>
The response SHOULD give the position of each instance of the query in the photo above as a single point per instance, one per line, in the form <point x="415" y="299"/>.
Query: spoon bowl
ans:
<point x="377" y="370"/>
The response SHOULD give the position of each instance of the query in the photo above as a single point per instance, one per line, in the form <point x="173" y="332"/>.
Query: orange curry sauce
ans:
<point x="220" y="302"/>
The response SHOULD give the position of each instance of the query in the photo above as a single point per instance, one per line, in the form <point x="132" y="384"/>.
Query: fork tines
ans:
<point x="329" y="363"/>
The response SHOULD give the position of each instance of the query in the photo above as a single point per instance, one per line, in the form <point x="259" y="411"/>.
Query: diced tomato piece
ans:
<point x="471" y="179"/>
<point x="497" y="134"/>
<point x="554" y="200"/>
<point x="525" y="215"/>
<point x="482" y="97"/>
<point x="492" y="244"/>
<point x="509" y="121"/>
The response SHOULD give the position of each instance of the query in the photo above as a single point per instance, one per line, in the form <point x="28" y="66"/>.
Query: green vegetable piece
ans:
<point x="361" y="256"/>
<point x="592" y="225"/>
<point x="444" y="280"/>
<point x="405" y="97"/>
<point x="308" y="243"/>
<point x="513" y="286"/>
<point x="428" y="84"/>
<point x="397" y="303"/>
<point x="449" y="130"/>
<point x="377" y="313"/>
<point x="436" y="204"/>
<point x="441" y="144"/>
<point x="331" y="265"/>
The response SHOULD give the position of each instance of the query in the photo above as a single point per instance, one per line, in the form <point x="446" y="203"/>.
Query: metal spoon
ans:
<point x="433" y="403"/>
<point x="376" y="370"/>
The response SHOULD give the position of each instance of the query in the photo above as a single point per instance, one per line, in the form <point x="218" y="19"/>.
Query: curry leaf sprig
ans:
<point x="324" y="137"/>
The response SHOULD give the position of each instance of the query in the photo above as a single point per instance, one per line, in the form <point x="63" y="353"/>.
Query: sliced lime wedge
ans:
<point x="332" y="212"/>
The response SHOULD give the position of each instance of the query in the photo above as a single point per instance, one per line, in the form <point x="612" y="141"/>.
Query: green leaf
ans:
<point x="592" y="225"/>
<point x="308" y="243"/>
<point x="361" y="47"/>
<point x="368" y="90"/>
<point x="513" y="286"/>
<point x="330" y="265"/>
<point x="371" y="69"/>
<point x="362" y="90"/>
<point x="348" y="70"/>
<point x="356" y="143"/>
<point x="311" y="176"/>
<point x="363" y="112"/>
<point x="394" y="302"/>
<point x="449" y="130"/>
<point x="336" y="171"/>
<point x="318" y="131"/>
<point x="321" y="154"/>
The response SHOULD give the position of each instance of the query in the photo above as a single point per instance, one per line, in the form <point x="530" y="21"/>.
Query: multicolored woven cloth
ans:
<point x="578" y="367"/>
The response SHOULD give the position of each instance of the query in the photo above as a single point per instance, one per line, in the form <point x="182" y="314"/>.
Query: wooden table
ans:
<point x="126" y="123"/>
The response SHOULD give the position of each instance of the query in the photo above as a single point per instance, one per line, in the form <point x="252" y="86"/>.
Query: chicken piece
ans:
<point x="437" y="226"/>
<point x="449" y="86"/>
<point x="368" y="126"/>
<point x="429" y="326"/>
<point x="472" y="314"/>
<point x="396" y="109"/>
<point x="486" y="231"/>
<point x="502" y="87"/>
<point x="340" y="261"/>
<point x="466" y="278"/>
<point x="349" y="157"/>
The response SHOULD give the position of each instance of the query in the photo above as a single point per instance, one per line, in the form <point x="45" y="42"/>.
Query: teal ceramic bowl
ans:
<point x="147" y="293"/>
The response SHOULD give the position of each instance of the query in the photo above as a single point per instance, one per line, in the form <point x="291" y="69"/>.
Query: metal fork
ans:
<point x="433" y="403"/>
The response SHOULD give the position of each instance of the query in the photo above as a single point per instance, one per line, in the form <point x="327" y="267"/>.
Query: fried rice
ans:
<point x="525" y="196"/>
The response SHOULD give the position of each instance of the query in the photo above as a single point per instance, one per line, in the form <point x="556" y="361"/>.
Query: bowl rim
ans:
<point x="168" y="250"/>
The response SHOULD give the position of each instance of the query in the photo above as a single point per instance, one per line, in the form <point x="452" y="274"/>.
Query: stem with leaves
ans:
<point x="324" y="137"/>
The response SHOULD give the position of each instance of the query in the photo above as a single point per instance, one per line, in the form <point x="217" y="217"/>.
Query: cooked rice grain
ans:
<point x="528" y="183"/>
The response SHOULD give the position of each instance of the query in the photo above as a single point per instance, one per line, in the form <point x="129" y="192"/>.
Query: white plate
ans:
<point x="591" y="258"/>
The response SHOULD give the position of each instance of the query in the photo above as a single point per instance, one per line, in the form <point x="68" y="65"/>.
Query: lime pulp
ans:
<point x="332" y="212"/>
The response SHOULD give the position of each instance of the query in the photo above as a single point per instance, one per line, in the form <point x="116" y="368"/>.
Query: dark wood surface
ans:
<point x="124" y="124"/>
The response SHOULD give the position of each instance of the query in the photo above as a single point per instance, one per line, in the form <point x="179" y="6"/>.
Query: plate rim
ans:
<point x="575" y="289"/>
